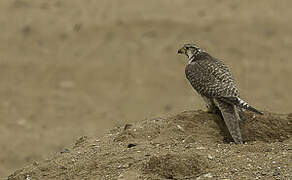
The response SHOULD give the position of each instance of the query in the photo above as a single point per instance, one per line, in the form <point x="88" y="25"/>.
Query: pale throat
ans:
<point x="191" y="55"/>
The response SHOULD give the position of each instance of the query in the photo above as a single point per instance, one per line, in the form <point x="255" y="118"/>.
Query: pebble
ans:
<point x="130" y="145"/>
<point x="210" y="157"/>
<point x="180" y="128"/>
<point x="276" y="172"/>
<point x="124" y="166"/>
<point x="127" y="126"/>
<point x="65" y="151"/>
<point x="208" y="175"/>
<point x="200" y="148"/>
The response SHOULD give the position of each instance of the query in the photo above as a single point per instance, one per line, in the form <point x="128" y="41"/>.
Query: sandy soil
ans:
<point x="78" y="68"/>
<point x="186" y="146"/>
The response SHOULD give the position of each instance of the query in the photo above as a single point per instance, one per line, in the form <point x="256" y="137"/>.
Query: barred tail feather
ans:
<point x="241" y="104"/>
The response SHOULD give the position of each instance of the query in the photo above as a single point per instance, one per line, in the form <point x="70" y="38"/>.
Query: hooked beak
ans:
<point x="180" y="51"/>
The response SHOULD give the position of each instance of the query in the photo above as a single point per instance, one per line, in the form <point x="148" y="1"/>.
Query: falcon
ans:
<point x="211" y="78"/>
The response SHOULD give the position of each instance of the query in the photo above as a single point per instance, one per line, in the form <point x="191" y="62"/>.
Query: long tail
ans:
<point x="231" y="119"/>
<point x="241" y="104"/>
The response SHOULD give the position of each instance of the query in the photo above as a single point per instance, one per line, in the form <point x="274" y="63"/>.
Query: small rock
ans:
<point x="268" y="150"/>
<point x="94" y="145"/>
<point x="200" y="148"/>
<point x="127" y="126"/>
<point x="63" y="167"/>
<point x="131" y="145"/>
<point x="65" y="151"/>
<point x="276" y="172"/>
<point x="234" y="170"/>
<point x="123" y="166"/>
<point x="180" y="128"/>
<point x="126" y="165"/>
<point x="209" y="175"/>
<point x="210" y="157"/>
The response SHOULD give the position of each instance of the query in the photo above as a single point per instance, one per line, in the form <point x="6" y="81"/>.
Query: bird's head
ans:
<point x="189" y="50"/>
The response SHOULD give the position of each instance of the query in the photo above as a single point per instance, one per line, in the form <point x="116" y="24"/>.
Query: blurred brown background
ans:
<point x="73" y="68"/>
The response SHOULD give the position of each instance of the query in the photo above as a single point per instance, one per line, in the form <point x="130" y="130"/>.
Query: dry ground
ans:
<point x="186" y="146"/>
<point x="74" y="68"/>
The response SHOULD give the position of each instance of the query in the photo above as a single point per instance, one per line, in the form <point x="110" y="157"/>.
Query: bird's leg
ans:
<point x="241" y="114"/>
<point x="211" y="107"/>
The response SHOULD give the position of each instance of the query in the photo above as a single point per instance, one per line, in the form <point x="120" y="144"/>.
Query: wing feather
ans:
<point x="210" y="77"/>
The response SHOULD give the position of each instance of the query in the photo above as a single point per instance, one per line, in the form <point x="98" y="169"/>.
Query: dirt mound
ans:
<point x="190" y="145"/>
<point x="176" y="166"/>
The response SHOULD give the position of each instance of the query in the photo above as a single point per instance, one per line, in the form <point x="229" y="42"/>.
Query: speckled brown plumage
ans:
<point x="211" y="78"/>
